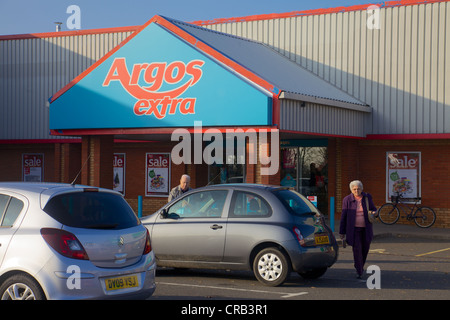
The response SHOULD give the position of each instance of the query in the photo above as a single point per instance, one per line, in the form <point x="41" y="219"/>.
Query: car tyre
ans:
<point x="271" y="267"/>
<point x="21" y="287"/>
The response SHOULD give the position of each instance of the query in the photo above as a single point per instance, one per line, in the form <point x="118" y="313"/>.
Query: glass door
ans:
<point x="232" y="167"/>
<point x="305" y="169"/>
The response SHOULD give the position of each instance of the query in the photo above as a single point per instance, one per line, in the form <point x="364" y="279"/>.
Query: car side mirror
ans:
<point x="163" y="214"/>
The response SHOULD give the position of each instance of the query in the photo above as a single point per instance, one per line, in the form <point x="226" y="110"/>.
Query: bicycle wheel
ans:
<point x="424" y="217"/>
<point x="388" y="213"/>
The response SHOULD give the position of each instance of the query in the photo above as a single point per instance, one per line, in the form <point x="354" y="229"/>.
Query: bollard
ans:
<point x="139" y="206"/>
<point x="332" y="213"/>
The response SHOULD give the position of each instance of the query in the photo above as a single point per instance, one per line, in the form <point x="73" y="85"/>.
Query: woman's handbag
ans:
<point x="372" y="214"/>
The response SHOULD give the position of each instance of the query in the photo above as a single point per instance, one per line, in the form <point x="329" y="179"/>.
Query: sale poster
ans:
<point x="157" y="174"/>
<point x="403" y="175"/>
<point x="33" y="167"/>
<point x="119" y="172"/>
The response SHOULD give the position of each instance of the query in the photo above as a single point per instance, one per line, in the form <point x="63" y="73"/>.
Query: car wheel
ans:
<point x="313" y="274"/>
<point x="271" y="267"/>
<point x="21" y="287"/>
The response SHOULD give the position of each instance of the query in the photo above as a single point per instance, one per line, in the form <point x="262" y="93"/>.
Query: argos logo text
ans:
<point x="146" y="80"/>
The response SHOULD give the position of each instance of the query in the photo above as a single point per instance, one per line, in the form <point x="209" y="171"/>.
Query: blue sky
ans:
<point x="33" y="16"/>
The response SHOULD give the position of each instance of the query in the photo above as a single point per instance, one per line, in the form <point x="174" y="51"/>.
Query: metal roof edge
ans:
<point x="71" y="33"/>
<point x="314" y="12"/>
<point x="324" y="101"/>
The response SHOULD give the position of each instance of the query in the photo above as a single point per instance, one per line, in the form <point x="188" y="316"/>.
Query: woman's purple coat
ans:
<point x="348" y="217"/>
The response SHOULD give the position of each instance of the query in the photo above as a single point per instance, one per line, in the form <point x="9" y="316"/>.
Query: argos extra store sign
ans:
<point x="145" y="81"/>
<point x="158" y="80"/>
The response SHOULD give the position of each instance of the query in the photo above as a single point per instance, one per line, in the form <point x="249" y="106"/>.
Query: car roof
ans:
<point x="249" y="186"/>
<point x="43" y="191"/>
<point x="36" y="187"/>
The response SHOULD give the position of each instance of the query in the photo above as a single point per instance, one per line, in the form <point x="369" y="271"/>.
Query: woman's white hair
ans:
<point x="356" y="183"/>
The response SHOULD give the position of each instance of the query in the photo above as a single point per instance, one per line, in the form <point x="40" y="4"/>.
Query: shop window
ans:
<point x="231" y="170"/>
<point x="226" y="173"/>
<point x="304" y="168"/>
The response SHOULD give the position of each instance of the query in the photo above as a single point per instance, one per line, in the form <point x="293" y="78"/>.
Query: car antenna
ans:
<point x="213" y="178"/>
<point x="79" y="172"/>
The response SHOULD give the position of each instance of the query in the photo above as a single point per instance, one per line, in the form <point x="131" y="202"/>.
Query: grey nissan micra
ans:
<point x="270" y="230"/>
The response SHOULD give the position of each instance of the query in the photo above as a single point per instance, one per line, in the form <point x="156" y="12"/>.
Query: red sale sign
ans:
<point x="33" y="167"/>
<point x="157" y="174"/>
<point x="403" y="176"/>
<point x="119" y="172"/>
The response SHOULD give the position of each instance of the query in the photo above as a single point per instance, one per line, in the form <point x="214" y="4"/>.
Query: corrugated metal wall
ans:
<point x="32" y="70"/>
<point x="401" y="70"/>
<point x="321" y="119"/>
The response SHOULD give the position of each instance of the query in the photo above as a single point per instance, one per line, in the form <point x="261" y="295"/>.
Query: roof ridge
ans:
<point x="199" y="27"/>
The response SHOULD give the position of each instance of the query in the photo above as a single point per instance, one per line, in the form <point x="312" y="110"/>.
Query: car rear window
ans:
<point x="295" y="202"/>
<point x="92" y="210"/>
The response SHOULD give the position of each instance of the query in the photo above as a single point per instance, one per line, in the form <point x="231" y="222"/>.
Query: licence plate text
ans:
<point x="121" y="282"/>
<point x="321" y="239"/>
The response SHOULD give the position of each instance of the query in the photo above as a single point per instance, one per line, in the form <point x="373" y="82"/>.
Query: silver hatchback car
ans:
<point x="270" y="230"/>
<point x="63" y="241"/>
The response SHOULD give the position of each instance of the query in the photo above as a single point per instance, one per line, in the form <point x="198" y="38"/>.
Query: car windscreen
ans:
<point x="92" y="210"/>
<point x="295" y="202"/>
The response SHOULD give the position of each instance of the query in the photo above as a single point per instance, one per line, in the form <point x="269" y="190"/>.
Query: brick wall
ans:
<point x="348" y="159"/>
<point x="365" y="160"/>
<point x="135" y="173"/>
<point x="11" y="160"/>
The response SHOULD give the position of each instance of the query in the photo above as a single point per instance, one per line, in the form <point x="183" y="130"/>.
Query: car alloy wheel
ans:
<point x="271" y="267"/>
<point x="21" y="287"/>
<point x="18" y="291"/>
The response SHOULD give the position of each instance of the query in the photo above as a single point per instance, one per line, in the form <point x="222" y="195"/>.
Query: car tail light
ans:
<point x="148" y="245"/>
<point x="65" y="243"/>
<point x="299" y="236"/>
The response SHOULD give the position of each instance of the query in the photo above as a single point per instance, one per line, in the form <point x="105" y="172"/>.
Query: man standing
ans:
<point x="180" y="189"/>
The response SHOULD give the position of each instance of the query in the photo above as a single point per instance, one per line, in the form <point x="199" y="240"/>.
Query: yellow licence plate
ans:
<point x="121" y="282"/>
<point x="322" y="240"/>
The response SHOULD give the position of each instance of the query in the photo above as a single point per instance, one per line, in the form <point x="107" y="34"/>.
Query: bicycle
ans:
<point x="423" y="216"/>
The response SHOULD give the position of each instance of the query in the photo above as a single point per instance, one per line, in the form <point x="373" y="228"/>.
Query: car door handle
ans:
<point x="215" y="227"/>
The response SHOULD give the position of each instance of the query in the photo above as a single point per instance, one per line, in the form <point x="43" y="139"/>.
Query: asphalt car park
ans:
<point x="411" y="265"/>
<point x="411" y="268"/>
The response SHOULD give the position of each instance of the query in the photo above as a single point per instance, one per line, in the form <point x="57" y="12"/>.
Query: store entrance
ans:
<point x="232" y="168"/>
<point x="304" y="167"/>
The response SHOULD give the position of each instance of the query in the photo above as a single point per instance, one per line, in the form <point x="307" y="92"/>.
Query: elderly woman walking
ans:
<point x="355" y="226"/>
